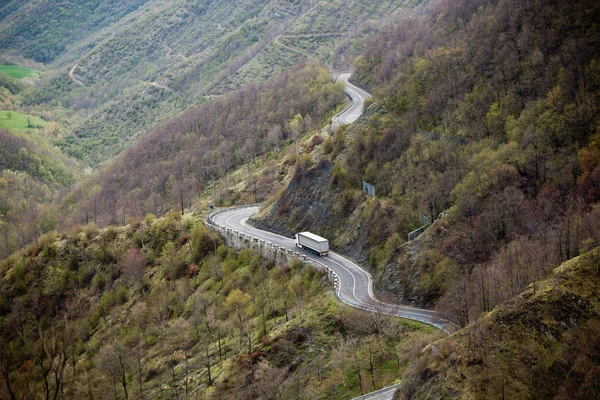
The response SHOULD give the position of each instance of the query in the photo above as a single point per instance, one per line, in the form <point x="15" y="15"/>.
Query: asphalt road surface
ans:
<point x="354" y="287"/>
<point x="358" y="96"/>
<point x="381" y="394"/>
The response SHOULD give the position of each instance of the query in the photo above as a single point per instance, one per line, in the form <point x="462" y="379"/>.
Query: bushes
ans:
<point x="303" y="164"/>
<point x="204" y="242"/>
<point x="340" y="179"/>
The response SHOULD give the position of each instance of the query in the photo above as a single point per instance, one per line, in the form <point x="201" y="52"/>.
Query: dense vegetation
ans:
<point x="167" y="166"/>
<point x="56" y="24"/>
<point x="100" y="85"/>
<point x="542" y="344"/>
<point x="485" y="122"/>
<point x="117" y="124"/>
<point x="31" y="172"/>
<point x="161" y="309"/>
<point x="493" y="120"/>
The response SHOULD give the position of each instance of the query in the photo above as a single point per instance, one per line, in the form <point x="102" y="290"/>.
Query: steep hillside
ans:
<point x="57" y="24"/>
<point x="188" y="49"/>
<point x="486" y="113"/>
<point x="167" y="167"/>
<point x="160" y="309"/>
<point x="31" y="172"/>
<point x="545" y="343"/>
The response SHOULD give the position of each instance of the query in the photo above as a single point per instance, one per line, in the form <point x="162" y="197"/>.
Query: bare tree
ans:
<point x="180" y="340"/>
<point x="114" y="361"/>
<point x="133" y="263"/>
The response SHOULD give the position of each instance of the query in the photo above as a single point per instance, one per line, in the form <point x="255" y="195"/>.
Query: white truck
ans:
<point x="313" y="243"/>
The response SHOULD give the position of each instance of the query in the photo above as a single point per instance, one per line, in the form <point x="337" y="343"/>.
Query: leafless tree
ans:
<point x="115" y="362"/>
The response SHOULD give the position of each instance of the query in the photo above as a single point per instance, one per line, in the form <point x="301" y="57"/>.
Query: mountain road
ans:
<point x="355" y="286"/>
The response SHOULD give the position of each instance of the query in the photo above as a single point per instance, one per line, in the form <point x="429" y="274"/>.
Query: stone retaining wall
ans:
<point x="279" y="255"/>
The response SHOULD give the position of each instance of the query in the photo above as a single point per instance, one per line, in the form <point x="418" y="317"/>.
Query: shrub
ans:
<point x="149" y="219"/>
<point x="192" y="271"/>
<point x="134" y="222"/>
<point x="339" y="178"/>
<point x="90" y="230"/>
<point x="316" y="140"/>
<point x="257" y="355"/>
<point x="203" y="242"/>
<point x="328" y="146"/>
<point x="299" y="337"/>
<point x="121" y="295"/>
<point x="303" y="165"/>
<point x="183" y="239"/>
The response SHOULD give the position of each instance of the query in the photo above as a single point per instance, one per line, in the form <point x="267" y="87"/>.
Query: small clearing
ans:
<point x="18" y="72"/>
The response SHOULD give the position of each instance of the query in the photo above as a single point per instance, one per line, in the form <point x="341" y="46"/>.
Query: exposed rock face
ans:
<point x="349" y="223"/>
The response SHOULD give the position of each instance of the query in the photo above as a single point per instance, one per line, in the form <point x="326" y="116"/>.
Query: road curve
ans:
<point x="351" y="114"/>
<point x="355" y="286"/>
<point x="73" y="76"/>
<point x="387" y="393"/>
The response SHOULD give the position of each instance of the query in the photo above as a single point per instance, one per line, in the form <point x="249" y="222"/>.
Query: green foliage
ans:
<point x="203" y="242"/>
<point x="57" y="25"/>
<point x="497" y="144"/>
<point x="534" y="344"/>
<point x="12" y="84"/>
<point x="177" y="150"/>
<point x="238" y="310"/>
<point x="15" y="121"/>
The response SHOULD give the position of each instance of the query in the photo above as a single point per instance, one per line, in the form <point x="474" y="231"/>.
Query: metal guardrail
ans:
<point x="334" y="276"/>
<point x="212" y="214"/>
<point x="382" y="307"/>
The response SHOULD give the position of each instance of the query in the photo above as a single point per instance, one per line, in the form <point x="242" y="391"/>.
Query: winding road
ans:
<point x="355" y="286"/>
<point x="351" y="114"/>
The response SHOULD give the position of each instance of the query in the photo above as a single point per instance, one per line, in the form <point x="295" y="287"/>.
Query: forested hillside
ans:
<point x="110" y="73"/>
<point x="170" y="165"/>
<point x="161" y="309"/>
<point x="482" y="139"/>
<point x="486" y="112"/>
<point x="32" y="171"/>
<point x="132" y="66"/>
<point x="544" y="343"/>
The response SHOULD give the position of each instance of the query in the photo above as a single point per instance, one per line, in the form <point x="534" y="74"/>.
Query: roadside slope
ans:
<point x="355" y="285"/>
<point x="544" y="343"/>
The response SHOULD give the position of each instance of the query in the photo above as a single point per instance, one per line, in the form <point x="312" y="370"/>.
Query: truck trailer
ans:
<point x="313" y="243"/>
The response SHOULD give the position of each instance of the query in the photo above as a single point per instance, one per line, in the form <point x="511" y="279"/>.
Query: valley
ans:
<point x="156" y="158"/>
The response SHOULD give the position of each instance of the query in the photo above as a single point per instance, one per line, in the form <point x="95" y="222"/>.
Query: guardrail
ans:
<point x="377" y="392"/>
<point x="212" y="214"/>
<point x="333" y="276"/>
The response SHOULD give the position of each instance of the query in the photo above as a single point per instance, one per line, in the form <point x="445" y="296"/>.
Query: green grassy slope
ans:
<point x="18" y="72"/>
<point x="20" y="122"/>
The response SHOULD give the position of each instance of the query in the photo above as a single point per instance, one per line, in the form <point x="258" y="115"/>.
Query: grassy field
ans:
<point x="18" y="122"/>
<point x="19" y="72"/>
